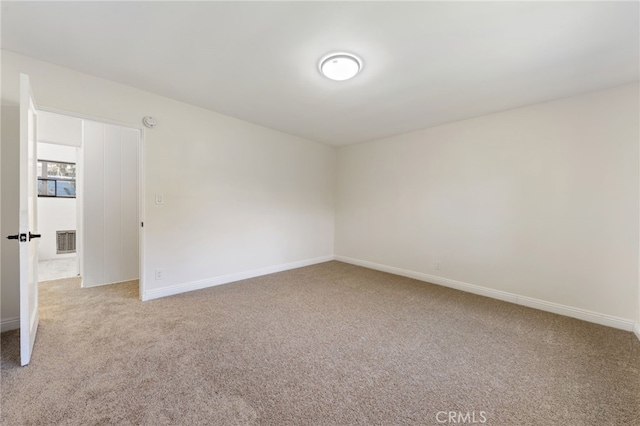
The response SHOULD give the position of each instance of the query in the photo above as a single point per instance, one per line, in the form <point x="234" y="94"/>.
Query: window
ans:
<point x="56" y="179"/>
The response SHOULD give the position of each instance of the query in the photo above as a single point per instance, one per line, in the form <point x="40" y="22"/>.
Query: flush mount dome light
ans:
<point x="340" y="66"/>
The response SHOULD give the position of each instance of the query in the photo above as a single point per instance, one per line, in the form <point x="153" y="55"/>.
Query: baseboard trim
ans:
<point x="9" y="324"/>
<point x="104" y="284"/>
<point x="636" y="330"/>
<point x="226" y="279"/>
<point x="530" y="302"/>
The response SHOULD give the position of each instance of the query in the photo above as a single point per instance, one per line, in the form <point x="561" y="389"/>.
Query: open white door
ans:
<point x="28" y="222"/>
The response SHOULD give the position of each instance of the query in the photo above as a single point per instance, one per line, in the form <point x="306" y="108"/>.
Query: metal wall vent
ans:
<point x="65" y="242"/>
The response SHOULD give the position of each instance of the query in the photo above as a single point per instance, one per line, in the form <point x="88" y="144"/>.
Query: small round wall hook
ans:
<point x="150" y="122"/>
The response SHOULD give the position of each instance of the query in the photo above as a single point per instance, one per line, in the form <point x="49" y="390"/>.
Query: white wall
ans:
<point x="540" y="202"/>
<point x="110" y="208"/>
<point x="54" y="214"/>
<point x="9" y="284"/>
<point x="59" y="129"/>
<point x="240" y="199"/>
<point x="54" y="152"/>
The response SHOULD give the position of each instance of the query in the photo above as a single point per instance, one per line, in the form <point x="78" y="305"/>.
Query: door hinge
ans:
<point x="21" y="237"/>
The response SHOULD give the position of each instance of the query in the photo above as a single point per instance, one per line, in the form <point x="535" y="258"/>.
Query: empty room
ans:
<point x="320" y="213"/>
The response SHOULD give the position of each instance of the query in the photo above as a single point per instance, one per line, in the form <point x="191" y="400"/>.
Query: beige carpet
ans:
<point x="330" y="344"/>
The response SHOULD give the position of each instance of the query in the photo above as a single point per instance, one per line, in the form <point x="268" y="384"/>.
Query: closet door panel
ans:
<point x="113" y="205"/>
<point x="93" y="204"/>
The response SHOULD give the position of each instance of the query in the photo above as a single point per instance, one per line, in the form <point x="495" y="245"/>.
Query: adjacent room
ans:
<point x="320" y="213"/>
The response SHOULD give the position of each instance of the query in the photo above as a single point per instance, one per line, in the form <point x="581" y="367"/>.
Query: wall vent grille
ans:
<point x="65" y="242"/>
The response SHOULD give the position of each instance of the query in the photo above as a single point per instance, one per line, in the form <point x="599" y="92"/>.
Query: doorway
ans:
<point x="59" y="139"/>
<point x="89" y="209"/>
<point x="57" y="211"/>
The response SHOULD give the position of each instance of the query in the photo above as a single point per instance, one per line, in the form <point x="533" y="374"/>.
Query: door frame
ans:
<point x="80" y="192"/>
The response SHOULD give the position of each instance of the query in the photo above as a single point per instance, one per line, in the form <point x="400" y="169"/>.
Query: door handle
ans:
<point x="23" y="237"/>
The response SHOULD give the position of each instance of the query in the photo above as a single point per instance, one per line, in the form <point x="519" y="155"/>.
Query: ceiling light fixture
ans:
<point x="340" y="66"/>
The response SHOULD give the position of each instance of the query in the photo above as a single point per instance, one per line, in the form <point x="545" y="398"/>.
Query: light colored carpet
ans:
<point x="330" y="344"/>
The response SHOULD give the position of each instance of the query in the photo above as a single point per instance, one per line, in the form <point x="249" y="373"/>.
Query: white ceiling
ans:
<point x="425" y="63"/>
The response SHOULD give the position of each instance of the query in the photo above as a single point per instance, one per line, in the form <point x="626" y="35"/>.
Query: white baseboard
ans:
<point x="9" y="324"/>
<point x="636" y="330"/>
<point x="225" y="279"/>
<point x="82" y="284"/>
<point x="542" y="305"/>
